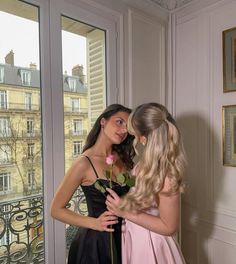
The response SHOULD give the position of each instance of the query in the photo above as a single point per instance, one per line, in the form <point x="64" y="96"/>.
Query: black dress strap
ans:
<point x="91" y="165"/>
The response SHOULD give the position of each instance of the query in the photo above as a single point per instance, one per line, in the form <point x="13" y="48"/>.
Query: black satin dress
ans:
<point x="91" y="246"/>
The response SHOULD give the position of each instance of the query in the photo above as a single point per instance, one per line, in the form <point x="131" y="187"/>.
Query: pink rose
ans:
<point x="110" y="159"/>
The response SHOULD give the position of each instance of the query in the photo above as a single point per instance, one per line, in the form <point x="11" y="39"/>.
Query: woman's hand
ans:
<point x="113" y="202"/>
<point x="105" y="221"/>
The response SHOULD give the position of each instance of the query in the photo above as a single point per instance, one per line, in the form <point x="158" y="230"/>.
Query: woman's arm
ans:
<point x="70" y="183"/>
<point x="165" y="224"/>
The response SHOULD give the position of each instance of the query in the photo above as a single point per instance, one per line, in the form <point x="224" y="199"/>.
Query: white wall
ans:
<point x="209" y="205"/>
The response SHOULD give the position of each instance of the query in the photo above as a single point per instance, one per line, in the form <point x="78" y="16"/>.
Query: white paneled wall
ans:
<point x="209" y="206"/>
<point x="146" y="58"/>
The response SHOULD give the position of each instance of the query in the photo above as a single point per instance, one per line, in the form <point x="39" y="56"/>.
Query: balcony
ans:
<point x="77" y="111"/>
<point x="33" y="134"/>
<point x="16" y="107"/>
<point x="21" y="228"/>
<point x="79" y="133"/>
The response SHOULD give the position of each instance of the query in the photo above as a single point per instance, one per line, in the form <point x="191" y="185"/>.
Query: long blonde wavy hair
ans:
<point x="163" y="155"/>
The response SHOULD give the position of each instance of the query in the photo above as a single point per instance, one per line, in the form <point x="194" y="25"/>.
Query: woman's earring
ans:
<point x="143" y="143"/>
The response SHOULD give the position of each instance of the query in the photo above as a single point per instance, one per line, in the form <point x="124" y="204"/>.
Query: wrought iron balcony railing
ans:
<point x="76" y="110"/>
<point x="19" y="107"/>
<point x="81" y="133"/>
<point x="21" y="228"/>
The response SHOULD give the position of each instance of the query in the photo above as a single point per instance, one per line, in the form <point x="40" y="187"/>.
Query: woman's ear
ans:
<point x="103" y="122"/>
<point x="143" y="140"/>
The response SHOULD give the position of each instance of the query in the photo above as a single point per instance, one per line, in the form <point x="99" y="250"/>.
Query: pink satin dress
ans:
<point x="141" y="246"/>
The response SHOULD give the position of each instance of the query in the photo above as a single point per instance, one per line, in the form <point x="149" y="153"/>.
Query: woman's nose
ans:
<point x="124" y="129"/>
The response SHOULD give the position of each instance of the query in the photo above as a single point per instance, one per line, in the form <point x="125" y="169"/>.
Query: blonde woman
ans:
<point x="151" y="208"/>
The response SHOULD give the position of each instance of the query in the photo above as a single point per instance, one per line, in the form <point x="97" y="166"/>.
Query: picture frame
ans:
<point x="229" y="60"/>
<point x="229" y="135"/>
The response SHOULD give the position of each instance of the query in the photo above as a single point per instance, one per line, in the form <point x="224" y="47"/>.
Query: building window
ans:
<point x="77" y="127"/>
<point x="3" y="99"/>
<point x="1" y="74"/>
<point x="28" y="101"/>
<point x="4" y="241"/>
<point x="75" y="105"/>
<point x="5" y="182"/>
<point x="5" y="154"/>
<point x="77" y="148"/>
<point x="31" y="178"/>
<point x="30" y="126"/>
<point x="30" y="150"/>
<point x="72" y="84"/>
<point x="4" y="127"/>
<point x="25" y="77"/>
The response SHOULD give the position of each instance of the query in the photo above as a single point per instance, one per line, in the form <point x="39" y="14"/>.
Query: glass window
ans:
<point x="31" y="178"/>
<point x="25" y="77"/>
<point x="72" y="84"/>
<point x="1" y="74"/>
<point x="83" y="56"/>
<point x="30" y="150"/>
<point x="77" y="148"/>
<point x="77" y="127"/>
<point x="5" y="154"/>
<point x="30" y="126"/>
<point x="5" y="130"/>
<point x="75" y="104"/>
<point x="28" y="101"/>
<point x="20" y="90"/>
<point x="5" y="182"/>
<point x="3" y="99"/>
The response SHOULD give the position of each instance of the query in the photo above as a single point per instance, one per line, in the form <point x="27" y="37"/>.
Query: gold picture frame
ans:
<point x="229" y="60"/>
<point x="229" y="135"/>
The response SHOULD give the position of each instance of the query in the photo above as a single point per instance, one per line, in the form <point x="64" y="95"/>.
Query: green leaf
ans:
<point x="121" y="178"/>
<point x="130" y="181"/>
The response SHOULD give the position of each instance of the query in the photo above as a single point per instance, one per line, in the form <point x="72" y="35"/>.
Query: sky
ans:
<point x="22" y="36"/>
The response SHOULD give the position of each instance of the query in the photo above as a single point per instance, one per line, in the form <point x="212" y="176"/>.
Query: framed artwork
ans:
<point x="229" y="60"/>
<point x="229" y="135"/>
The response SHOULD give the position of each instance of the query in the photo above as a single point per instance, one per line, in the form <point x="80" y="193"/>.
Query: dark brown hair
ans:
<point x="125" y="149"/>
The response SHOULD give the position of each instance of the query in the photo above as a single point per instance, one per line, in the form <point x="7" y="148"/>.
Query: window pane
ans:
<point x="21" y="201"/>
<point x="84" y="85"/>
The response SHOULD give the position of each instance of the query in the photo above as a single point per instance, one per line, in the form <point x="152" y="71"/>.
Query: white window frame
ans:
<point x="77" y="127"/>
<point x="75" y="104"/>
<point x="92" y="15"/>
<point x="30" y="126"/>
<point x="77" y="148"/>
<point x="52" y="111"/>
<point x="28" y="101"/>
<point x="3" y="99"/>
<point x="30" y="150"/>
<point x="31" y="178"/>
<point x="5" y="154"/>
<point x="25" y="77"/>
<point x="72" y="83"/>
<point x="6" y="182"/>
<point x="3" y="240"/>
<point x="1" y="74"/>
<point x="5" y="127"/>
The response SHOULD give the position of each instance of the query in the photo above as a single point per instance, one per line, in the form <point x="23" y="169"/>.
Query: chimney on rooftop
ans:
<point x="78" y="70"/>
<point x="9" y="59"/>
<point x="33" y="66"/>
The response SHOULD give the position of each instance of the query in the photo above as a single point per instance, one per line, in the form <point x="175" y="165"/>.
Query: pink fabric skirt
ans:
<point x="140" y="245"/>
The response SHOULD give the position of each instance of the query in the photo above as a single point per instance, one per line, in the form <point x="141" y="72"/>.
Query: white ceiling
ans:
<point x="171" y="4"/>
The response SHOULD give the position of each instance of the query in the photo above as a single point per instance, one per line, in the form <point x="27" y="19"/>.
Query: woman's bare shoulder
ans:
<point x="80" y="167"/>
